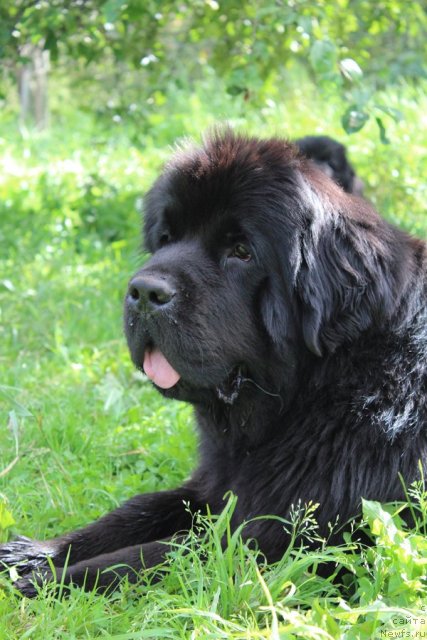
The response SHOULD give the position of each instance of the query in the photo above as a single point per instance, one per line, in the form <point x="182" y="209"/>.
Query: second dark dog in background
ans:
<point x="331" y="157"/>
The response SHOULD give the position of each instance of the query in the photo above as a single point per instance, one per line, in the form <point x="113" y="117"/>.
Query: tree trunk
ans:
<point x="33" y="86"/>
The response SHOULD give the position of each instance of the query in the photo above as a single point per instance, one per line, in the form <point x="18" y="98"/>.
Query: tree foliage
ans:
<point x="353" y="46"/>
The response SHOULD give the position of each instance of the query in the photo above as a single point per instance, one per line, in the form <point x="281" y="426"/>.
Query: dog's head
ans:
<point x="258" y="262"/>
<point x="331" y="157"/>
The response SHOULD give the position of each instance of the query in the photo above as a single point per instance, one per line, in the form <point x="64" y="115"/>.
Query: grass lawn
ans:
<point x="81" y="431"/>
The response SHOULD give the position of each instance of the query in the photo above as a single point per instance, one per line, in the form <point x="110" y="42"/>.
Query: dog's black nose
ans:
<point x="151" y="290"/>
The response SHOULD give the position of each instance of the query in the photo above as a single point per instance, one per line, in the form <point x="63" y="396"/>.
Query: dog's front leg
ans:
<point x="103" y="572"/>
<point x="142" y="519"/>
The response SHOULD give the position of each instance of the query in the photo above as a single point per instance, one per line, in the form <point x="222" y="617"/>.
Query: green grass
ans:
<point x="80" y="431"/>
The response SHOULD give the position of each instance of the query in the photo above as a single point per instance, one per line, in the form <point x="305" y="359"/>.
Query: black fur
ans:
<point x="296" y="318"/>
<point x="331" y="158"/>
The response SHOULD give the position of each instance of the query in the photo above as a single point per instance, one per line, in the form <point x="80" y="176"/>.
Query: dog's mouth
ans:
<point x="160" y="371"/>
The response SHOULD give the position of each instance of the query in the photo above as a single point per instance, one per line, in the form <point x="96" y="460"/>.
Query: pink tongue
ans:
<point x="158" y="369"/>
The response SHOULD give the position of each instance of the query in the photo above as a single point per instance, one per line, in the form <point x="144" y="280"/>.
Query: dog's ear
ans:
<point x="344" y="282"/>
<point x="277" y="311"/>
<point x="331" y="292"/>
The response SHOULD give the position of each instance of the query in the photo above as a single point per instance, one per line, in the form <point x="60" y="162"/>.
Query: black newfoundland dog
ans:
<point x="293" y="318"/>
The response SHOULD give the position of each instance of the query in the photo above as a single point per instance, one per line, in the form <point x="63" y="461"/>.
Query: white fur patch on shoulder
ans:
<point x="322" y="211"/>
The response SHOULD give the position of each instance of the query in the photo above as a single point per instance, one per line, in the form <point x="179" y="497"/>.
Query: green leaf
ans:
<point x="235" y="90"/>
<point x="306" y="23"/>
<point x="51" y="44"/>
<point x="6" y="518"/>
<point x="354" y="119"/>
<point x="323" y="56"/>
<point x="111" y="10"/>
<point x="380" y="521"/>
<point x="383" y="135"/>
<point x="395" y="114"/>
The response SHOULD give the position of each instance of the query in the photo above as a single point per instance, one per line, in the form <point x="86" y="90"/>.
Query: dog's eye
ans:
<point x="241" y="252"/>
<point x="164" y="238"/>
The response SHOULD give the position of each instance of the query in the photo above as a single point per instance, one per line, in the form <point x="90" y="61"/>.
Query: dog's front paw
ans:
<point x="30" y="583"/>
<point x="27" y="587"/>
<point x="26" y="554"/>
